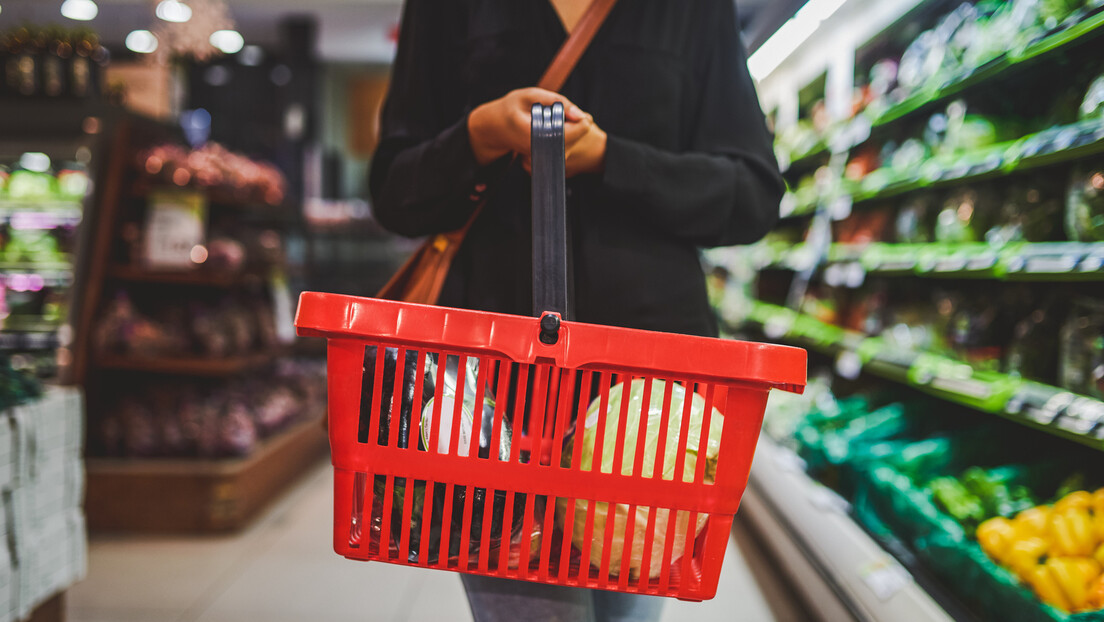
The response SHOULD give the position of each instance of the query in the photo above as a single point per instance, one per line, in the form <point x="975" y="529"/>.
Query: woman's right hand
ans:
<point x="503" y="126"/>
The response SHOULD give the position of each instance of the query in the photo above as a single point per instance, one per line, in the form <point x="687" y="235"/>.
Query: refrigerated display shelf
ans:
<point x="1016" y="261"/>
<point x="1047" y="408"/>
<point x="1056" y="145"/>
<point x="827" y="553"/>
<point x="1077" y="32"/>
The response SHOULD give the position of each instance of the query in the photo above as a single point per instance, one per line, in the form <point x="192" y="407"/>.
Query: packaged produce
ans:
<point x="1030" y="212"/>
<point x="1033" y="351"/>
<point x="1092" y="106"/>
<point x="388" y="416"/>
<point x="573" y="519"/>
<point x="967" y="215"/>
<point x="1081" y="349"/>
<point x="916" y="219"/>
<point x="1085" y="204"/>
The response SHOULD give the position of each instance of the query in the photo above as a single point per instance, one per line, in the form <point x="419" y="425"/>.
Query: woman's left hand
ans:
<point x="584" y="147"/>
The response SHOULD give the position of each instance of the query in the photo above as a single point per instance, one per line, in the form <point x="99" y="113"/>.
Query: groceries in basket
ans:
<point x="442" y="414"/>
<point x="573" y="520"/>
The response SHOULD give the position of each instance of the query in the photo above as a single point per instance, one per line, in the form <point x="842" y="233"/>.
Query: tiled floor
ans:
<point x="282" y="569"/>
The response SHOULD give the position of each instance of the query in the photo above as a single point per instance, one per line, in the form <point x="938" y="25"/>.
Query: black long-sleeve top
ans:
<point x="688" y="162"/>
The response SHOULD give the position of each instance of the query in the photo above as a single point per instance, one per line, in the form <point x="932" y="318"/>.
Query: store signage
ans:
<point x="175" y="229"/>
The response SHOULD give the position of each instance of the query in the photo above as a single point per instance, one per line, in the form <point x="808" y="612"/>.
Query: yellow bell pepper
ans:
<point x="1099" y="554"/>
<point x="1077" y="500"/>
<point x="1032" y="522"/>
<point x="995" y="537"/>
<point x="1046" y="588"/>
<point x="1024" y="555"/>
<point x="1098" y="525"/>
<point x="1074" y="578"/>
<point x="1098" y="501"/>
<point x="1096" y="593"/>
<point x="1071" y="533"/>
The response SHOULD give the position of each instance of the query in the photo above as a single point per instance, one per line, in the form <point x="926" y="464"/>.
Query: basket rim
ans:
<point x="581" y="345"/>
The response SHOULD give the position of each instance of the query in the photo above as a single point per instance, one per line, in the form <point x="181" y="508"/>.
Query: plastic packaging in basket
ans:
<point x="539" y="450"/>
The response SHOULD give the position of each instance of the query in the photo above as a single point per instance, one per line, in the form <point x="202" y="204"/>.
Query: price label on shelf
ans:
<point x="849" y="365"/>
<point x="840" y="208"/>
<point x="827" y="500"/>
<point x="778" y="326"/>
<point x="175" y="230"/>
<point x="885" y="578"/>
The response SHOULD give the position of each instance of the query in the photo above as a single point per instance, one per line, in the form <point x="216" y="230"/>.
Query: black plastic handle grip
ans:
<point x="550" y="290"/>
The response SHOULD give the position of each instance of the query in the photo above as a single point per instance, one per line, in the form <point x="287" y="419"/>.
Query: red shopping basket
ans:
<point x="480" y="449"/>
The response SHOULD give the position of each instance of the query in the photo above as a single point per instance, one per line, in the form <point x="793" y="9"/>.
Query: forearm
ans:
<point x="709" y="199"/>
<point x="420" y="188"/>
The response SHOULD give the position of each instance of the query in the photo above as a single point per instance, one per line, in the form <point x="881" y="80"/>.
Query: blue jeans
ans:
<point x="495" y="600"/>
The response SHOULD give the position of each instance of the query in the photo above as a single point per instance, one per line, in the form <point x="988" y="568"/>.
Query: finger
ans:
<point x="534" y="95"/>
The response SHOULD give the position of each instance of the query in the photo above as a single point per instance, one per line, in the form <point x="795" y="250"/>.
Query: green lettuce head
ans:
<point x="584" y="440"/>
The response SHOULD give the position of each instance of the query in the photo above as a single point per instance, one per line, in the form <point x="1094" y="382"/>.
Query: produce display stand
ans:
<point x="198" y="496"/>
<point x="839" y="571"/>
<point x="175" y="494"/>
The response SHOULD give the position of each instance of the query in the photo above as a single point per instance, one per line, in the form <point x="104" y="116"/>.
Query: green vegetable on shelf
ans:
<point x="1085" y="205"/>
<point x="957" y="500"/>
<point x="1093" y="104"/>
<point x="998" y="495"/>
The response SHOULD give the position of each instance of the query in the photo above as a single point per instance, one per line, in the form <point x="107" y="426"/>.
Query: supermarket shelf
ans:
<point x="21" y="341"/>
<point x="1047" y="408"/>
<point x="188" y="365"/>
<point x="198" y="496"/>
<point x="199" y="277"/>
<point x="834" y="563"/>
<point x="22" y="276"/>
<point x="44" y="215"/>
<point x="1017" y="261"/>
<point x="1077" y="32"/>
<point x="1055" y="145"/>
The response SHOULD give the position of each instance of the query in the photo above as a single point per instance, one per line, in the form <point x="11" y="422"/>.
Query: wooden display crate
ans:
<point x="198" y="496"/>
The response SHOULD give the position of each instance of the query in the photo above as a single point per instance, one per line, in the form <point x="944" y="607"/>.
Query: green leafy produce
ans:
<point x="585" y="441"/>
<point x="1053" y="12"/>
<point x="1093" y="104"/>
<point x="957" y="500"/>
<point x="1085" y="205"/>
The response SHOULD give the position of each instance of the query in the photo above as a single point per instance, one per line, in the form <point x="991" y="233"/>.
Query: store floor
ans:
<point x="282" y="569"/>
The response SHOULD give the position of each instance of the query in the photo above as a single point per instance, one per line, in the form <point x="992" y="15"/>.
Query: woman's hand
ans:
<point x="503" y="126"/>
<point x="585" y="147"/>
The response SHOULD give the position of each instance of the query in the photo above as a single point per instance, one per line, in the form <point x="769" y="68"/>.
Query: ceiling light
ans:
<point x="141" y="41"/>
<point x="173" y="11"/>
<point x="227" y="41"/>
<point x="790" y="36"/>
<point x="80" y="10"/>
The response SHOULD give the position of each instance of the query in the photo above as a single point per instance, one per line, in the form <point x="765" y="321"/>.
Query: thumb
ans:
<point x="574" y="113"/>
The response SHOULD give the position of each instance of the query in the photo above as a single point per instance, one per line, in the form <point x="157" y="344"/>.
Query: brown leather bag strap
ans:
<point x="576" y="43"/>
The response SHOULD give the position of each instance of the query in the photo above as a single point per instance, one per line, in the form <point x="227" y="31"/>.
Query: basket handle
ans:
<point x="550" y="276"/>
